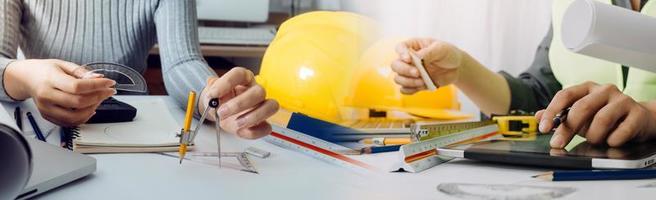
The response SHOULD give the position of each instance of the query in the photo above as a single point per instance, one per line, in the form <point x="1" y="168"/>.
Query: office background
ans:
<point x="501" y="34"/>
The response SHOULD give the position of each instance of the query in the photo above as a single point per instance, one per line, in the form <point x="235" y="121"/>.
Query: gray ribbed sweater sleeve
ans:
<point x="183" y="67"/>
<point x="116" y="31"/>
<point x="10" y="12"/>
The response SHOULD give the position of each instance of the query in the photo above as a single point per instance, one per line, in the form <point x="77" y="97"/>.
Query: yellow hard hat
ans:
<point x="307" y="66"/>
<point x="373" y="87"/>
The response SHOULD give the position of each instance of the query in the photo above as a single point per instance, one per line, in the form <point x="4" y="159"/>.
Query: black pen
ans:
<point x="560" y="118"/>
<point x="18" y="117"/>
<point x="37" y="130"/>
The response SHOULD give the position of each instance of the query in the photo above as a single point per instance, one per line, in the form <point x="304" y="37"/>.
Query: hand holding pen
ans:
<point x="600" y="113"/>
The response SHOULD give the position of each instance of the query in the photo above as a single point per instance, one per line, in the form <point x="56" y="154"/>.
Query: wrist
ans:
<point x="15" y="85"/>
<point x="464" y="69"/>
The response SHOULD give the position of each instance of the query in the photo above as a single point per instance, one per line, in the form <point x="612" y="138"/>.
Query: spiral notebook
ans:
<point x="153" y="130"/>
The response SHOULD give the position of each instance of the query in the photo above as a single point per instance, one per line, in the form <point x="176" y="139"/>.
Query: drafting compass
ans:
<point x="189" y="138"/>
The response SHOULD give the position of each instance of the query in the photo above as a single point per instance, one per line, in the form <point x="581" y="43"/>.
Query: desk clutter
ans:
<point x="340" y="145"/>
<point x="334" y="145"/>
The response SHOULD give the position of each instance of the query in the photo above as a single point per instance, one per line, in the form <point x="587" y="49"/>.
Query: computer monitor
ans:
<point x="233" y="10"/>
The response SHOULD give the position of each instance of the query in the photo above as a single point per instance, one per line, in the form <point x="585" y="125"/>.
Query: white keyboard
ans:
<point x="235" y="36"/>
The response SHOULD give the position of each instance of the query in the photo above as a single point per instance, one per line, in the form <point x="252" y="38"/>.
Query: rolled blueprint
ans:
<point x="611" y="33"/>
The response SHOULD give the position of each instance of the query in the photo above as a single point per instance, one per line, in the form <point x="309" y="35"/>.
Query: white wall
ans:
<point x="501" y="34"/>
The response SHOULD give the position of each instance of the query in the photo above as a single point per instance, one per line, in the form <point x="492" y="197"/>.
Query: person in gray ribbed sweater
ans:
<point x="57" y="36"/>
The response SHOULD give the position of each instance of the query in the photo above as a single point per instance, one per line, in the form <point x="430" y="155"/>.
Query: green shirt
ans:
<point x="533" y="89"/>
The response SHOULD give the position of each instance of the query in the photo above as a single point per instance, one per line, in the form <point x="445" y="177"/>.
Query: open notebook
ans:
<point x="153" y="130"/>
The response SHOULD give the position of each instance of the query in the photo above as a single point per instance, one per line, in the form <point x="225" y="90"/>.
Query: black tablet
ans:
<point x="538" y="152"/>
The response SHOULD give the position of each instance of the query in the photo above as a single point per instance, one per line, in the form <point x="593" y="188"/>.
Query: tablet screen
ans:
<point x="630" y="151"/>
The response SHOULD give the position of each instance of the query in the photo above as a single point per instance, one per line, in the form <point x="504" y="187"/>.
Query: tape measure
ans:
<point x="509" y="125"/>
<point x="317" y="148"/>
<point x="421" y="132"/>
<point x="419" y="156"/>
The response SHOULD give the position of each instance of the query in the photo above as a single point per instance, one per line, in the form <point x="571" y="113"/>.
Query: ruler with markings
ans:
<point x="317" y="148"/>
<point x="425" y="131"/>
<point x="246" y="164"/>
<point x="419" y="156"/>
<point x="242" y="158"/>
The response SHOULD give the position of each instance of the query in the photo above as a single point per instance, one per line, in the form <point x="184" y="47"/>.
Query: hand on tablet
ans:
<point x="441" y="60"/>
<point x="243" y="107"/>
<point x="600" y="113"/>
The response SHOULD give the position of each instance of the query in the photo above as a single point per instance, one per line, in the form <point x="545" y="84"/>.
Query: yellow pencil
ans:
<point x="182" y="150"/>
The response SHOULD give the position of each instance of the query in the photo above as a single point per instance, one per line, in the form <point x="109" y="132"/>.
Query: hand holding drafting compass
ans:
<point x="187" y="137"/>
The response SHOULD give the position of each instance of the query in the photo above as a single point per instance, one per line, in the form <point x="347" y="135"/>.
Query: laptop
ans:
<point x="53" y="166"/>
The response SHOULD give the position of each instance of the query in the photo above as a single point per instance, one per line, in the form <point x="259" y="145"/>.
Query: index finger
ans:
<point x="72" y="69"/>
<point x="402" y="50"/>
<point x="412" y="44"/>
<point x="81" y="86"/>
<point x="226" y="83"/>
<point x="560" y="102"/>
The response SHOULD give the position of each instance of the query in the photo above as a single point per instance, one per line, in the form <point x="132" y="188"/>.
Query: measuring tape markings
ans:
<point x="315" y="147"/>
<point x="426" y="131"/>
<point x="423" y="155"/>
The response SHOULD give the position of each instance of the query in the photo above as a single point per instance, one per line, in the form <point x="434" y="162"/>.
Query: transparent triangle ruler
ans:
<point x="317" y="148"/>
<point x="245" y="164"/>
<point x="419" y="156"/>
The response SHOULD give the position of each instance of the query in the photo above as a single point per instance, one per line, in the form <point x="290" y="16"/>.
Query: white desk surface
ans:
<point x="291" y="175"/>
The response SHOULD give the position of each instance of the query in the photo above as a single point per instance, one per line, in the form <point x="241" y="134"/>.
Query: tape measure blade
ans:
<point x="423" y="132"/>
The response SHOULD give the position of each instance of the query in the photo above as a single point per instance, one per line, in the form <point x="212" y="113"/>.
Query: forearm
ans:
<point x="10" y="15"/>
<point x="488" y="90"/>
<point x="188" y="76"/>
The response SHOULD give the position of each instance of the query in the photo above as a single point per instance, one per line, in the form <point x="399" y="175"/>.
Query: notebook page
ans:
<point x="153" y="126"/>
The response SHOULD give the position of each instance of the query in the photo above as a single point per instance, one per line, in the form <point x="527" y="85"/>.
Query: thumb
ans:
<point x="443" y="54"/>
<point x="72" y="69"/>
<point x="219" y="87"/>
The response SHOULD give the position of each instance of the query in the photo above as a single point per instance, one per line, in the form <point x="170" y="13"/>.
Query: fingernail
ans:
<point x="241" y="122"/>
<point x="88" y="75"/>
<point x="111" y="83"/>
<point x="115" y="91"/>
<point x="94" y="113"/>
<point x="222" y="111"/>
<point x="543" y="126"/>
<point x="556" y="141"/>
